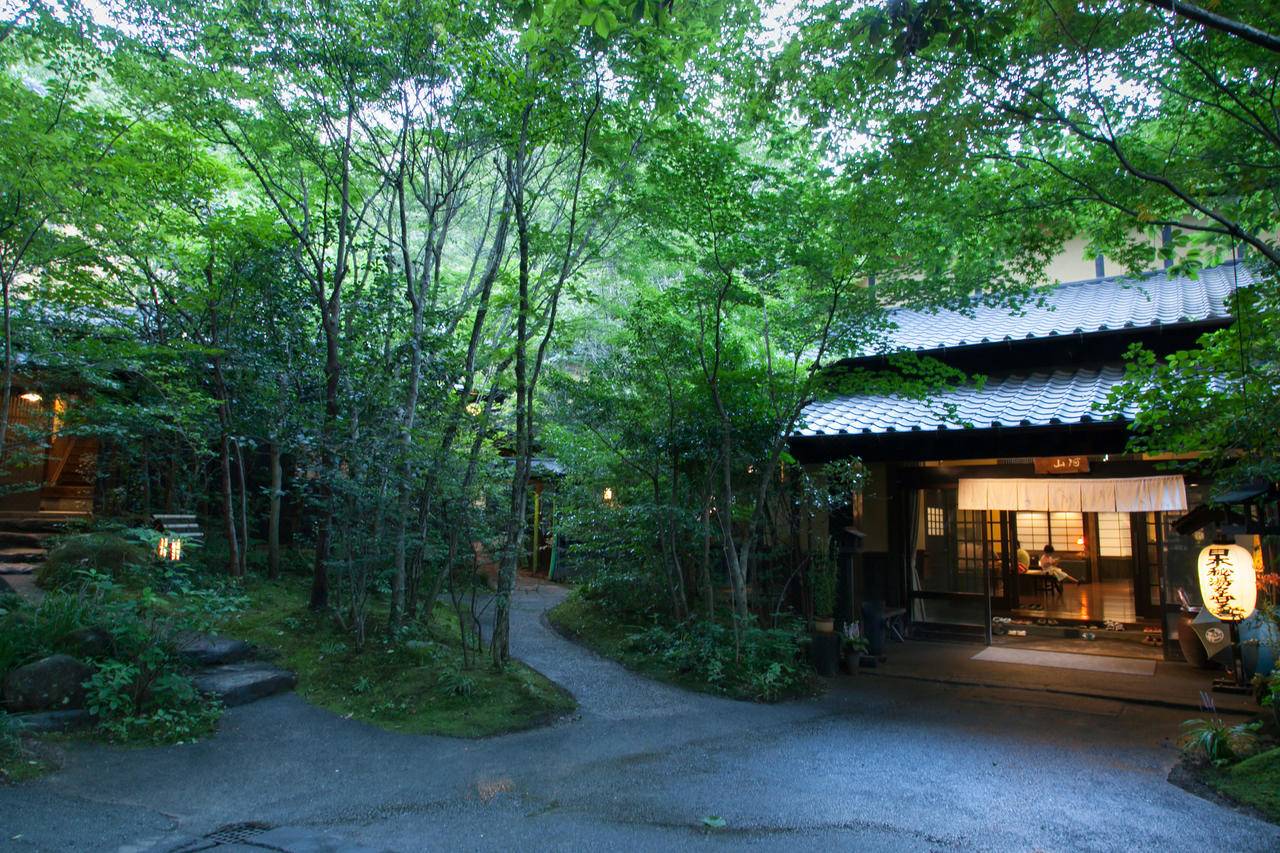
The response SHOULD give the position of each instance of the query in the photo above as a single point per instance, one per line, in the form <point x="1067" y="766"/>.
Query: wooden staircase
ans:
<point x="69" y="485"/>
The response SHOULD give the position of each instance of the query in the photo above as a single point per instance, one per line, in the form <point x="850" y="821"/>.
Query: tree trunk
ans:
<point x="224" y="459"/>
<point x="510" y="556"/>
<point x="273" y="520"/>
<point x="8" y="373"/>
<point x="324" y="534"/>
<point x="244" y="507"/>
<point x="228" y="508"/>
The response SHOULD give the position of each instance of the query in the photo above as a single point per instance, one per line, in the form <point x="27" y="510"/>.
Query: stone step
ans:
<point x="71" y="506"/>
<point x="31" y="521"/>
<point x="54" y="721"/>
<point x="10" y="556"/>
<point x="242" y="683"/>
<point x="21" y="539"/>
<point x="209" y="650"/>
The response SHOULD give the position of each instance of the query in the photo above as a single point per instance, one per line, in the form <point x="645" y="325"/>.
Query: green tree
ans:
<point x="1127" y="118"/>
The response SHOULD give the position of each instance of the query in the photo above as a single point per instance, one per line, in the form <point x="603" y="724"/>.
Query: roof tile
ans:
<point x="1030" y="399"/>
<point x="1100" y="304"/>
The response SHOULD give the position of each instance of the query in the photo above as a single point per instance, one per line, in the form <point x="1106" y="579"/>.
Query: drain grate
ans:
<point x="236" y="832"/>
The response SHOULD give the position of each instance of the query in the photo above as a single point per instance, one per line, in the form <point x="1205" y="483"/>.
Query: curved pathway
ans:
<point x="877" y="764"/>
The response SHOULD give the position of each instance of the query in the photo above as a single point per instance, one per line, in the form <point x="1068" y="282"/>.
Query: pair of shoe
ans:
<point x="1152" y="641"/>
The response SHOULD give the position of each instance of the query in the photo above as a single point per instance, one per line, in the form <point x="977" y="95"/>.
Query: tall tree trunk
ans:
<point x="228" y="508"/>
<point x="324" y="534"/>
<point x="7" y="379"/>
<point x="510" y="556"/>
<point x="708" y="589"/>
<point x="146" y="477"/>
<point x="224" y="460"/>
<point x="244" y="507"/>
<point x="273" y="518"/>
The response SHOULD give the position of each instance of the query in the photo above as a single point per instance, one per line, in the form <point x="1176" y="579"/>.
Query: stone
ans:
<point x="53" y="721"/>
<point x="52" y="683"/>
<point x="208" y="650"/>
<point x="242" y="683"/>
<point x="88" y="641"/>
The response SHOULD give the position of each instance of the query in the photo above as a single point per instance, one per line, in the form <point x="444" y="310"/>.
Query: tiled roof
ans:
<point x="1096" y="305"/>
<point x="1029" y="399"/>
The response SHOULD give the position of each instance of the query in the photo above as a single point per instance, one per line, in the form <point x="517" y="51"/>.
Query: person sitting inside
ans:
<point x="1049" y="565"/>
<point x="1023" y="558"/>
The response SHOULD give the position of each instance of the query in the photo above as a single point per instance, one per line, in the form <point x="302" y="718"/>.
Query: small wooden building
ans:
<point x="44" y="470"/>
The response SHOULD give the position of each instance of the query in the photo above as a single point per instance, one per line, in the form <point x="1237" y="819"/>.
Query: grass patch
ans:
<point x="24" y="757"/>
<point x="415" y="686"/>
<point x="1254" y="782"/>
<point x="769" y="668"/>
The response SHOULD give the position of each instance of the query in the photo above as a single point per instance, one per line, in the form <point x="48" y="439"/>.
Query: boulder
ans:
<point x="242" y="683"/>
<point x="53" y="721"/>
<point x="52" y="683"/>
<point x="208" y="650"/>
<point x="88" y="641"/>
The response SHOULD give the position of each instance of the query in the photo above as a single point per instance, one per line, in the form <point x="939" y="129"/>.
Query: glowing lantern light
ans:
<point x="1228" y="585"/>
<point x="608" y="494"/>
<point x="170" y="548"/>
<point x="32" y="397"/>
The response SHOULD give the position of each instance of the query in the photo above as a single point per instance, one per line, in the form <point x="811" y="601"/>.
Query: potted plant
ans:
<point x="853" y="645"/>
<point x="822" y="586"/>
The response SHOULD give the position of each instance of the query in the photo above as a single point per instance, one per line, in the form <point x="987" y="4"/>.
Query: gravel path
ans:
<point x="877" y="764"/>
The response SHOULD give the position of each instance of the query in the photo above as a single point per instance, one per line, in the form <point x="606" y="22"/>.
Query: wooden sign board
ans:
<point x="1062" y="465"/>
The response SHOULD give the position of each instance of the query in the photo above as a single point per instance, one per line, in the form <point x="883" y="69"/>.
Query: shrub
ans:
<point x="148" y="700"/>
<point x="103" y="553"/>
<point x="29" y="631"/>
<point x="624" y="594"/>
<point x="766" y="667"/>
<point x="139" y="690"/>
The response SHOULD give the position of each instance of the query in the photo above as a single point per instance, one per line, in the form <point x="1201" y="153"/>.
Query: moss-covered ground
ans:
<point x="418" y="684"/>
<point x="1253" y="782"/>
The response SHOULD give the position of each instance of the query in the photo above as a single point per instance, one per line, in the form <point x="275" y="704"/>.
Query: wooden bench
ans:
<point x="180" y="525"/>
<point x="894" y="620"/>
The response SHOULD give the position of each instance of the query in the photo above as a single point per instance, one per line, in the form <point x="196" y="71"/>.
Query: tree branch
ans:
<point x="1205" y="18"/>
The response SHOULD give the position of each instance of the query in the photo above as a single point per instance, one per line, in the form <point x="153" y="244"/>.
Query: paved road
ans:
<point x="877" y="764"/>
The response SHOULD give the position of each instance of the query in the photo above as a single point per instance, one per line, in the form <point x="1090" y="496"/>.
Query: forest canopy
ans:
<point x="344" y="274"/>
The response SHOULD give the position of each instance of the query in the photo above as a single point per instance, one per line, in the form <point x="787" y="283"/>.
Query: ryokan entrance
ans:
<point x="966" y="571"/>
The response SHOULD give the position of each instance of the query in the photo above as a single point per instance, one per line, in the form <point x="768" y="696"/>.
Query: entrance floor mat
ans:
<point x="1062" y="660"/>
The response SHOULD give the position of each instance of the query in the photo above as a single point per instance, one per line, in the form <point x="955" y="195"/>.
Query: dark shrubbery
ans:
<point x="626" y="594"/>
<point x="767" y="667"/>
<point x="611" y="607"/>
<point x="107" y="553"/>
<point x="133" y="603"/>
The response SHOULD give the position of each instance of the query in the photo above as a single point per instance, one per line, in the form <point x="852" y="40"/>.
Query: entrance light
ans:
<point x="1229" y="590"/>
<point x="1228" y="586"/>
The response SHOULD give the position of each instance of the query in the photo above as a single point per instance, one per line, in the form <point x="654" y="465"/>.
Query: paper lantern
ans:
<point x="170" y="548"/>
<point x="1227" y="583"/>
